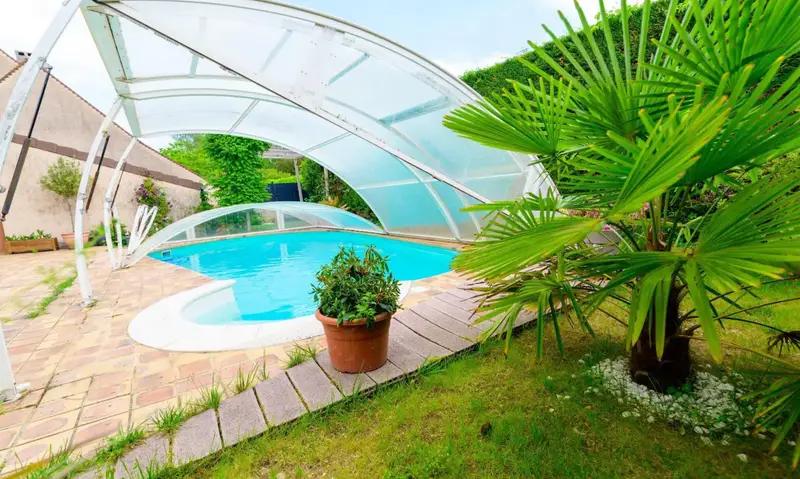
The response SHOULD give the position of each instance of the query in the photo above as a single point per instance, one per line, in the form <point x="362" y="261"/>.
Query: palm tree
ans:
<point x="636" y="133"/>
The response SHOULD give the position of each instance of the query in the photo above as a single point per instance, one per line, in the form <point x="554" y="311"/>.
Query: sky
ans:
<point x="459" y="35"/>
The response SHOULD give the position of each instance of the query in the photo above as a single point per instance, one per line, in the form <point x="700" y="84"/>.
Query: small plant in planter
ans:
<point x="357" y="298"/>
<point x="64" y="178"/>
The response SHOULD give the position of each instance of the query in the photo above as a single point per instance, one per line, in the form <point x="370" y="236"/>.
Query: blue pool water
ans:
<point x="274" y="272"/>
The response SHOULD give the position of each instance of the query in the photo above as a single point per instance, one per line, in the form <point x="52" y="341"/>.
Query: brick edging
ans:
<point x="108" y="162"/>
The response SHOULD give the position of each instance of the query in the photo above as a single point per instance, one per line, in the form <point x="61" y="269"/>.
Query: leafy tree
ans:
<point x="642" y="129"/>
<point x="188" y="151"/>
<point x="238" y="161"/>
<point x="63" y="178"/>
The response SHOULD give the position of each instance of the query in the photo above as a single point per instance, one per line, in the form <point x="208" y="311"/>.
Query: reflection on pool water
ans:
<point x="274" y="272"/>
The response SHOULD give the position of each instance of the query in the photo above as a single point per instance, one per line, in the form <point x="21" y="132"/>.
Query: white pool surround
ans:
<point x="171" y="324"/>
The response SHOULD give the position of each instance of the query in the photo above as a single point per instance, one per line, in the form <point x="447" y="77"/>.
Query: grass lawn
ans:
<point x="485" y="415"/>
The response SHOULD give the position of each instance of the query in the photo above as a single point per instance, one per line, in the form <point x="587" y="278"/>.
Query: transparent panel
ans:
<point x="499" y="187"/>
<point x="288" y="125"/>
<point x="178" y="237"/>
<point x="379" y="90"/>
<point x="408" y="208"/>
<point x="457" y="157"/>
<point x="190" y="113"/>
<point x="361" y="163"/>
<point x="455" y="202"/>
<point x="290" y="221"/>
<point x="150" y="55"/>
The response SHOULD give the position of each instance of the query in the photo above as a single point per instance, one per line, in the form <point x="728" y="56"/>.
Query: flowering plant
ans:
<point x="150" y="194"/>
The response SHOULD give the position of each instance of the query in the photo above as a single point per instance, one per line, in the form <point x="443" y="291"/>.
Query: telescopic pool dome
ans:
<point x="359" y="104"/>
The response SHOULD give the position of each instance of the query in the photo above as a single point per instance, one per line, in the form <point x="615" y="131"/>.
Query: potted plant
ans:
<point x="32" y="243"/>
<point x="357" y="298"/>
<point x="64" y="178"/>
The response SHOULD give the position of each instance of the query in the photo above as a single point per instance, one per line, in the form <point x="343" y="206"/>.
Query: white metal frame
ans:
<point x="108" y="213"/>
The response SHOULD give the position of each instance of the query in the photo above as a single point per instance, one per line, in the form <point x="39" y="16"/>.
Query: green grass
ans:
<point x="210" y="398"/>
<point x="485" y="415"/>
<point x="300" y="354"/>
<point x="168" y="420"/>
<point x="116" y="445"/>
<point x="56" y="288"/>
<point x="244" y="380"/>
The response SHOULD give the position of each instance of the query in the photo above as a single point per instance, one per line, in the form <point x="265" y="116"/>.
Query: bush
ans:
<point x="97" y="237"/>
<point x="63" y="178"/>
<point x="349" y="288"/>
<point x="150" y="194"/>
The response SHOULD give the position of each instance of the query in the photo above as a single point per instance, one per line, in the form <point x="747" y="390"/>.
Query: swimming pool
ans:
<point x="273" y="273"/>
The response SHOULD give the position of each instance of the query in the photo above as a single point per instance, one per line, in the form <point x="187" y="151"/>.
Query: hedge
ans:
<point x="494" y="79"/>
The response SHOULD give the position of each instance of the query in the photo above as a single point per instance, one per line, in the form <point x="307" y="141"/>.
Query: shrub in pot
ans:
<point x="64" y="178"/>
<point x="357" y="298"/>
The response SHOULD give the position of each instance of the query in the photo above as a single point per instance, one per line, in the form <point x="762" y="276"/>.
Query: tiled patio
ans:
<point x="88" y="378"/>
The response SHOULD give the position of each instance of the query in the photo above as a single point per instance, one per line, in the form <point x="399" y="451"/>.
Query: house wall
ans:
<point x="35" y="208"/>
<point x="66" y="127"/>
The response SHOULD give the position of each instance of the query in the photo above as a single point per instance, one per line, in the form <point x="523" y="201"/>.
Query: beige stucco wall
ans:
<point x="68" y="123"/>
<point x="34" y="208"/>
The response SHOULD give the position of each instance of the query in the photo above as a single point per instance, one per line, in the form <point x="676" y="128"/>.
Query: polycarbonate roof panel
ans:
<point x="363" y="106"/>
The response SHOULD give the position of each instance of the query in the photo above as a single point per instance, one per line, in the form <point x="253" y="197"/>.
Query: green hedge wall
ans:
<point x="494" y="79"/>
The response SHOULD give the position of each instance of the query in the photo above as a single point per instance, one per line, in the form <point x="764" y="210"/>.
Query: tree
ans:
<point x="63" y="178"/>
<point x="641" y="134"/>
<point x="238" y="161"/>
<point x="188" y="151"/>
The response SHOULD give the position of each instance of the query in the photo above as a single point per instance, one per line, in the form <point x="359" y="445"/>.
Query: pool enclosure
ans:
<point x="253" y="218"/>
<point x="359" y="104"/>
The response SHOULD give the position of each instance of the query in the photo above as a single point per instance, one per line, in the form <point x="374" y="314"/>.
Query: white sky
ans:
<point x="460" y="35"/>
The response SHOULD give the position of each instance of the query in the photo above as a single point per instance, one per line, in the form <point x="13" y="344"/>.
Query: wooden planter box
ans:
<point x="30" y="246"/>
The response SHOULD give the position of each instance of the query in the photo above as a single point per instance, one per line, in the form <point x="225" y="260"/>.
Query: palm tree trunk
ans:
<point x="674" y="368"/>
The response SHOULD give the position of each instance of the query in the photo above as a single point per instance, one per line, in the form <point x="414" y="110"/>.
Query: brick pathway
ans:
<point x="88" y="378"/>
<point x="437" y="327"/>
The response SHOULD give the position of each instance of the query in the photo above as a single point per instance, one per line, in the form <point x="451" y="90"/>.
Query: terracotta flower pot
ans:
<point x="355" y="348"/>
<point x="69" y="239"/>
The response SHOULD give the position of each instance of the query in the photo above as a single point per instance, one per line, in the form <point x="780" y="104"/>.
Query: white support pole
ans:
<point x="107" y="224"/>
<point x="118" y="259"/>
<point x="81" y="264"/>
<point x="22" y="89"/>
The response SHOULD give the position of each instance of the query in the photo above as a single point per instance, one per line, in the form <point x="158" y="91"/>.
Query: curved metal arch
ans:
<point x="308" y="212"/>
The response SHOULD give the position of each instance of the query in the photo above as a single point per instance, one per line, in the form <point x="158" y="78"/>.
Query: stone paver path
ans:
<point x="314" y="385"/>
<point x="89" y="378"/>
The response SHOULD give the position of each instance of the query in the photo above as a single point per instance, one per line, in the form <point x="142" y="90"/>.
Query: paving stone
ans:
<point x="386" y="373"/>
<point x="151" y="453"/>
<point x="240" y="417"/>
<point x="468" y="305"/>
<point x="462" y="293"/>
<point x="279" y="399"/>
<point x="415" y="342"/>
<point x="524" y="318"/>
<point x="197" y="438"/>
<point x="449" y="323"/>
<point x="313" y="385"/>
<point x="465" y="317"/>
<point x="405" y="359"/>
<point x="434" y="333"/>
<point x="347" y="383"/>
